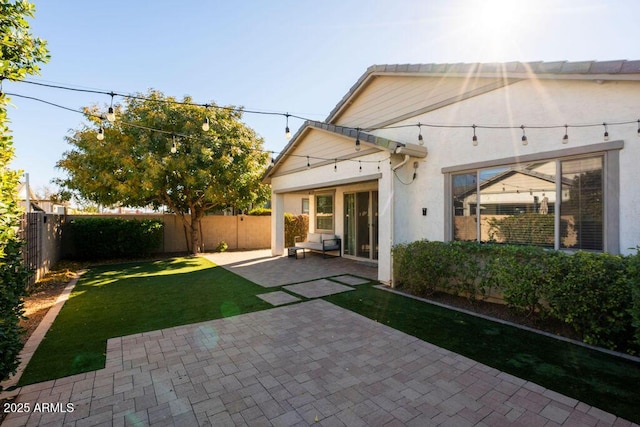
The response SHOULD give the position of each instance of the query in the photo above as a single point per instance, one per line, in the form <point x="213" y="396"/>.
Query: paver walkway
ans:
<point x="268" y="271"/>
<point x="302" y="364"/>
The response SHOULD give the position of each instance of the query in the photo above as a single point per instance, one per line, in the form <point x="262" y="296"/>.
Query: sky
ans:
<point x="287" y="56"/>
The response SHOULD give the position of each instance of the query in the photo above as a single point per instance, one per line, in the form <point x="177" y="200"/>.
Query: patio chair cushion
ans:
<point x="314" y="238"/>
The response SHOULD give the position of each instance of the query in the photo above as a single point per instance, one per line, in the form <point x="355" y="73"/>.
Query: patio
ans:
<point x="305" y="363"/>
<point x="269" y="271"/>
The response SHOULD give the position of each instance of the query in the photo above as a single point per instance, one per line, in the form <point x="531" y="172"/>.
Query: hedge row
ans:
<point x="598" y="294"/>
<point x="108" y="238"/>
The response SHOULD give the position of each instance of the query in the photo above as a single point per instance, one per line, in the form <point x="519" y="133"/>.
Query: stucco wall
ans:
<point x="528" y="103"/>
<point x="239" y="232"/>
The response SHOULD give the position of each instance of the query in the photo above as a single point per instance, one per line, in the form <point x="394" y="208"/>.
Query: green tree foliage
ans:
<point x="20" y="54"/>
<point x="135" y="166"/>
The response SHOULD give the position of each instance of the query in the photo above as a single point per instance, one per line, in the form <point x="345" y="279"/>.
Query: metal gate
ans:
<point x="29" y="234"/>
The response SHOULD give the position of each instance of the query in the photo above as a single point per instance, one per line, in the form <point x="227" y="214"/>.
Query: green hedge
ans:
<point x="108" y="238"/>
<point x="597" y="294"/>
<point x="295" y="225"/>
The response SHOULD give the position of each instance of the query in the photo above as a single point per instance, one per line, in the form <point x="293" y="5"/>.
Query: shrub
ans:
<point x="294" y="225"/>
<point x="13" y="280"/>
<point x="222" y="246"/>
<point x="594" y="297"/>
<point x="105" y="238"/>
<point x="260" y="212"/>
<point x="597" y="294"/>
<point x="422" y="267"/>
<point x="634" y="279"/>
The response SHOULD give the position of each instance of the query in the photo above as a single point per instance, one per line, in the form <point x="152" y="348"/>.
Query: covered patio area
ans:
<point x="269" y="271"/>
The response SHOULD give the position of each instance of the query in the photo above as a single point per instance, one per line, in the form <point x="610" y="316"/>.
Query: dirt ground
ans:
<point x="45" y="294"/>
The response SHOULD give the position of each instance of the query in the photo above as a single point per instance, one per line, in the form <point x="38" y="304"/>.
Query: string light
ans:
<point x="100" y="135"/>
<point x="524" y="137"/>
<point x="420" y="138"/>
<point x="287" y="131"/>
<point x="357" y="139"/>
<point x="360" y="161"/>
<point x="273" y="159"/>
<point x="308" y="164"/>
<point x="174" y="147"/>
<point x="639" y="127"/>
<point x="565" y="138"/>
<point x="205" y="123"/>
<point x="111" y="115"/>
<point x="606" y="132"/>
<point x="335" y="165"/>
<point x="474" y="140"/>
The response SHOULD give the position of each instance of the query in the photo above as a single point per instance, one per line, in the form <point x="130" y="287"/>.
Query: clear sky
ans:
<point x="296" y="56"/>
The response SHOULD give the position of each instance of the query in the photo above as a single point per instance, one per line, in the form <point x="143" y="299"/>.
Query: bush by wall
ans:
<point x="260" y="212"/>
<point x="105" y="238"/>
<point x="295" y="225"/>
<point x="597" y="294"/>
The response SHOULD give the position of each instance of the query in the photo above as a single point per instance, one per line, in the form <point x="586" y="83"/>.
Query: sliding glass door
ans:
<point x="361" y="224"/>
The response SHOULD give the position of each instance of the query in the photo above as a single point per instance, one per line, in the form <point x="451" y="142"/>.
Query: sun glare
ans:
<point x="497" y="26"/>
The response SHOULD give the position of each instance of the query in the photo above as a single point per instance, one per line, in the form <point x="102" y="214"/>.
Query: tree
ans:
<point x="134" y="165"/>
<point x="20" y="54"/>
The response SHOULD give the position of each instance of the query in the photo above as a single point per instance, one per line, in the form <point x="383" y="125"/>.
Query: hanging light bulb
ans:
<point x="358" y="139"/>
<point x="335" y="165"/>
<point x="205" y="124"/>
<point x="606" y="132"/>
<point x="111" y="115"/>
<point x="308" y="164"/>
<point x="474" y="140"/>
<point x="273" y="159"/>
<point x="287" y="131"/>
<point x="174" y="147"/>
<point x="638" y="127"/>
<point x="524" y="137"/>
<point x="360" y="161"/>
<point x="565" y="138"/>
<point x="420" y="138"/>
<point x="100" y="135"/>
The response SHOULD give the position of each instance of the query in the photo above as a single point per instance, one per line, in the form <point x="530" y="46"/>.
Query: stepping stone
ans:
<point x="317" y="288"/>
<point x="350" y="280"/>
<point x="278" y="298"/>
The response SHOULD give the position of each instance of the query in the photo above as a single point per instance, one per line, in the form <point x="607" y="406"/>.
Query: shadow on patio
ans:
<point x="269" y="271"/>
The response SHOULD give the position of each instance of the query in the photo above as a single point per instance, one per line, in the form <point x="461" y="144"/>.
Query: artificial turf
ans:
<point x="117" y="300"/>
<point x="602" y="380"/>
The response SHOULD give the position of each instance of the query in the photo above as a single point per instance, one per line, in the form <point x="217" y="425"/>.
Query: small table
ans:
<point x="292" y="252"/>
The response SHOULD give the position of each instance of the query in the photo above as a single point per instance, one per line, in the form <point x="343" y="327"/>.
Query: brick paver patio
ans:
<point x="306" y="363"/>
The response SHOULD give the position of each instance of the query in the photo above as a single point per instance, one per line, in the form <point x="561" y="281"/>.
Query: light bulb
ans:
<point x="287" y="133"/>
<point x="475" y="141"/>
<point x="100" y="135"/>
<point x="205" y="124"/>
<point x="524" y="140"/>
<point x="111" y="115"/>
<point x="565" y="139"/>
<point x="174" y="148"/>
<point x="357" y="145"/>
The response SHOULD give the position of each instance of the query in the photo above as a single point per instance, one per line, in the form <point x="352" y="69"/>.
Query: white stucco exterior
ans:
<point x="534" y="100"/>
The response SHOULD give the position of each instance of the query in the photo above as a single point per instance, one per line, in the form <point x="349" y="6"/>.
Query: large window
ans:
<point x="324" y="212"/>
<point x="555" y="203"/>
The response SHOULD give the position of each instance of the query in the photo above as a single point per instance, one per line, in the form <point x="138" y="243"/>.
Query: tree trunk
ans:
<point x="196" y="244"/>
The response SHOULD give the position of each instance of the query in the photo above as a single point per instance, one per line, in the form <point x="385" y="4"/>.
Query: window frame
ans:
<point x="610" y="151"/>
<point x="333" y="212"/>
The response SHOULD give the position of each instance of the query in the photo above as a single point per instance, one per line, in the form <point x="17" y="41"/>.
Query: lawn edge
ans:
<point x="515" y="325"/>
<point x="36" y="338"/>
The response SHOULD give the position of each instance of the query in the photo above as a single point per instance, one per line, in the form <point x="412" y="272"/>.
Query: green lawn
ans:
<point x="607" y="382"/>
<point x="117" y="300"/>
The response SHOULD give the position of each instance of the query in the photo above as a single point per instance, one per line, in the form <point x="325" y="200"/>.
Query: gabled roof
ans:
<point x="586" y="70"/>
<point x="376" y="141"/>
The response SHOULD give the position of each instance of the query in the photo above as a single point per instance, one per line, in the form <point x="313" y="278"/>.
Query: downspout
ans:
<point x="402" y="163"/>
